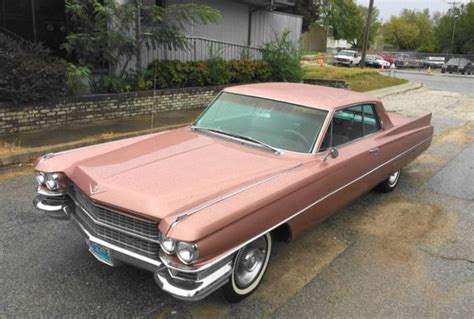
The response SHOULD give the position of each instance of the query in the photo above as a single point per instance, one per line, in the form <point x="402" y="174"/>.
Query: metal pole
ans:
<point x="138" y="34"/>
<point x="366" y="34"/>
<point x="454" y="30"/>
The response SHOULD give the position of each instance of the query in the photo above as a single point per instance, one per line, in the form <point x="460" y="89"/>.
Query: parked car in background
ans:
<point x="349" y="58"/>
<point x="389" y="57"/>
<point x="434" y="62"/>
<point x="407" y="61"/>
<point x="458" y="65"/>
<point x="376" y="61"/>
<point x="201" y="206"/>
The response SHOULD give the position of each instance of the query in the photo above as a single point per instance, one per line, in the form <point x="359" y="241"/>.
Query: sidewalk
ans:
<point x="24" y="147"/>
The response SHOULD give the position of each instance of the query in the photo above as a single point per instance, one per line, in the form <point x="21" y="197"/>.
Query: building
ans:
<point x="246" y="26"/>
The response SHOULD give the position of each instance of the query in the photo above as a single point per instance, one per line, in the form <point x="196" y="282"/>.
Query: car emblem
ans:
<point x="94" y="189"/>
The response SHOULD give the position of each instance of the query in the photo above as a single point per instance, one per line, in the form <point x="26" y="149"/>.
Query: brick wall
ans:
<point x="17" y="118"/>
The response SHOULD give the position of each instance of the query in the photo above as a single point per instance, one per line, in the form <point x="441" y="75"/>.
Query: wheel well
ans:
<point x="282" y="233"/>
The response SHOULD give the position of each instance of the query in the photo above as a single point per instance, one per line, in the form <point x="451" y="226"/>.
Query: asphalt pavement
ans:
<point x="407" y="254"/>
<point x="443" y="82"/>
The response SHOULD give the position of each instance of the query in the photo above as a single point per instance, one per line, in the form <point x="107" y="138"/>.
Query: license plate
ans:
<point x="100" y="252"/>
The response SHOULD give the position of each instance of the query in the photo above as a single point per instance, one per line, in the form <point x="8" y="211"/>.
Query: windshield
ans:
<point x="346" y="53"/>
<point x="278" y="124"/>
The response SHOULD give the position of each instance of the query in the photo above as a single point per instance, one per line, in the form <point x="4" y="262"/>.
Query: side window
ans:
<point x="371" y="121"/>
<point x="350" y="124"/>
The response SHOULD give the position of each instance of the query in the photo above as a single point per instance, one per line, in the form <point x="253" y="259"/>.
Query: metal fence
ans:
<point x="198" y="48"/>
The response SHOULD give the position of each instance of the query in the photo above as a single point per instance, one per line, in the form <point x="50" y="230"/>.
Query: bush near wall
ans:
<point x="28" y="72"/>
<point x="178" y="74"/>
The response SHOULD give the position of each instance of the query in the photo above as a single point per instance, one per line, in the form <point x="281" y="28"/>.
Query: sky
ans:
<point x="393" y="7"/>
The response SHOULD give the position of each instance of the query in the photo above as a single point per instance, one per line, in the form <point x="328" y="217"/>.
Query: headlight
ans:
<point x="188" y="253"/>
<point x="40" y="178"/>
<point x="167" y="244"/>
<point x="52" y="181"/>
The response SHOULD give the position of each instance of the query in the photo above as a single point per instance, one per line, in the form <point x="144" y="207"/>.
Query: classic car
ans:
<point x="458" y="65"/>
<point x="200" y="206"/>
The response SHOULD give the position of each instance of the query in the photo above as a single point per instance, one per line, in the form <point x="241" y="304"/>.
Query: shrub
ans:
<point x="28" y="73"/>
<point x="77" y="77"/>
<point x="263" y="71"/>
<point x="284" y="59"/>
<point x="241" y="71"/>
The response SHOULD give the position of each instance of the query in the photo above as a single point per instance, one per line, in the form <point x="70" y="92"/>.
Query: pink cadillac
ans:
<point x="200" y="206"/>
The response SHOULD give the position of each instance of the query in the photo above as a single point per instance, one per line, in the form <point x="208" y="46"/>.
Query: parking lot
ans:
<point x="409" y="253"/>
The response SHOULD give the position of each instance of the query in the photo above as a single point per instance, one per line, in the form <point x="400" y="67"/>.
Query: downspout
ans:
<point x="249" y="36"/>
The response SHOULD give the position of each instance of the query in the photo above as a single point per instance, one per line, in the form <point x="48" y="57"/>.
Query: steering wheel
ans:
<point x="301" y="138"/>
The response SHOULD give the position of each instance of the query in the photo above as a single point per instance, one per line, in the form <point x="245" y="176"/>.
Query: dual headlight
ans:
<point x="53" y="181"/>
<point x="187" y="253"/>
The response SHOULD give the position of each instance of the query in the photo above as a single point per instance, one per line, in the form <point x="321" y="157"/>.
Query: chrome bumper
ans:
<point x="180" y="281"/>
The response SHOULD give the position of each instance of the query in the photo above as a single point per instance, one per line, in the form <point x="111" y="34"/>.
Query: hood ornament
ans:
<point x="94" y="190"/>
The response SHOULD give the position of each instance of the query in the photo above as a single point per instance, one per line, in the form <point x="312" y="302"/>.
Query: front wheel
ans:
<point x="250" y="265"/>
<point x="390" y="183"/>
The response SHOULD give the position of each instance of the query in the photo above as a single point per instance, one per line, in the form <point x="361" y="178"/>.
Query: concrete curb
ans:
<point x="397" y="89"/>
<point x="35" y="152"/>
<point x="435" y="74"/>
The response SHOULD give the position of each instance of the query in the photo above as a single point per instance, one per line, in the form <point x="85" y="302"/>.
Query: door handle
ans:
<point x="374" y="150"/>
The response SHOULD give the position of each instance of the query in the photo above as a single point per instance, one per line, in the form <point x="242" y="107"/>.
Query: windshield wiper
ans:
<point x="239" y="136"/>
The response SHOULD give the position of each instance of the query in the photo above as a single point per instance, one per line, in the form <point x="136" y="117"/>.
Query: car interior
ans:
<point x="350" y="124"/>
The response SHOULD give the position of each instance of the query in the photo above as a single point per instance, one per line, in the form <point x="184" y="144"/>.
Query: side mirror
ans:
<point x="331" y="152"/>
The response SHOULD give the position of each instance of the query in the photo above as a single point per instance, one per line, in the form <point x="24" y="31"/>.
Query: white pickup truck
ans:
<point x="347" y="57"/>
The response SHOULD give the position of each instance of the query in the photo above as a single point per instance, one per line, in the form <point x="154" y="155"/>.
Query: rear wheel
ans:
<point x="389" y="184"/>
<point x="250" y="265"/>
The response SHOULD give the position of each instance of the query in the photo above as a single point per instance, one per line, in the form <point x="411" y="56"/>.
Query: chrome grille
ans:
<point x="137" y="234"/>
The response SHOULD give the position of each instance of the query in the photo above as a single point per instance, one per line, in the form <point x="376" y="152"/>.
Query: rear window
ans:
<point x="454" y="61"/>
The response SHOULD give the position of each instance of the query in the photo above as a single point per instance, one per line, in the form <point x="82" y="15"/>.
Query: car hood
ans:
<point x="173" y="172"/>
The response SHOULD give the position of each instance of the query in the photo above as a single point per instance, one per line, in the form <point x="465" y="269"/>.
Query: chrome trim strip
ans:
<point x="98" y="222"/>
<point x="44" y="192"/>
<point x="226" y="196"/>
<point x="206" y="286"/>
<point x="233" y="250"/>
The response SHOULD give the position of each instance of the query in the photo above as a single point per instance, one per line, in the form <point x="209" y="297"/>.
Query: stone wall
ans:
<point x="17" y="118"/>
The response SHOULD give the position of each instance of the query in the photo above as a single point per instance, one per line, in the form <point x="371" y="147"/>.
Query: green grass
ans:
<point x="360" y="80"/>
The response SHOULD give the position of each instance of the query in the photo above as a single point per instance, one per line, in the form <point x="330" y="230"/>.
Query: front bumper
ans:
<point x="182" y="282"/>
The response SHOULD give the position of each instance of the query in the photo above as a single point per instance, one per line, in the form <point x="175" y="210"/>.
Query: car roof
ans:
<point x="315" y="96"/>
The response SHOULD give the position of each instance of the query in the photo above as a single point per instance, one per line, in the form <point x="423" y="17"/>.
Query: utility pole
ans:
<point x="366" y="34"/>
<point x="455" y="17"/>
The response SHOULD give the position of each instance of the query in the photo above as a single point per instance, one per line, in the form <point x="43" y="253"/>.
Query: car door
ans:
<point x="353" y="134"/>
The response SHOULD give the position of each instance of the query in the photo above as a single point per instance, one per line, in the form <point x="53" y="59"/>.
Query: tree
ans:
<point x="105" y="32"/>
<point x="464" y="31"/>
<point x="308" y="9"/>
<point x="347" y="20"/>
<point x="411" y="30"/>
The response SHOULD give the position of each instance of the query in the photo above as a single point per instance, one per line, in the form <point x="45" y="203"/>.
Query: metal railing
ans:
<point x="198" y="48"/>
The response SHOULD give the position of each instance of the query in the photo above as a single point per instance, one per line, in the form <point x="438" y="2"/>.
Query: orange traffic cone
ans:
<point x="382" y="69"/>
<point x="429" y="72"/>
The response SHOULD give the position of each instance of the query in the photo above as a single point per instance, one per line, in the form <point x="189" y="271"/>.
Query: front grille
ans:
<point x="136" y="234"/>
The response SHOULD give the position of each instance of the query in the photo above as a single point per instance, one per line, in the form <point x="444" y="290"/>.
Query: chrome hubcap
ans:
<point x="249" y="263"/>
<point x="393" y="178"/>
